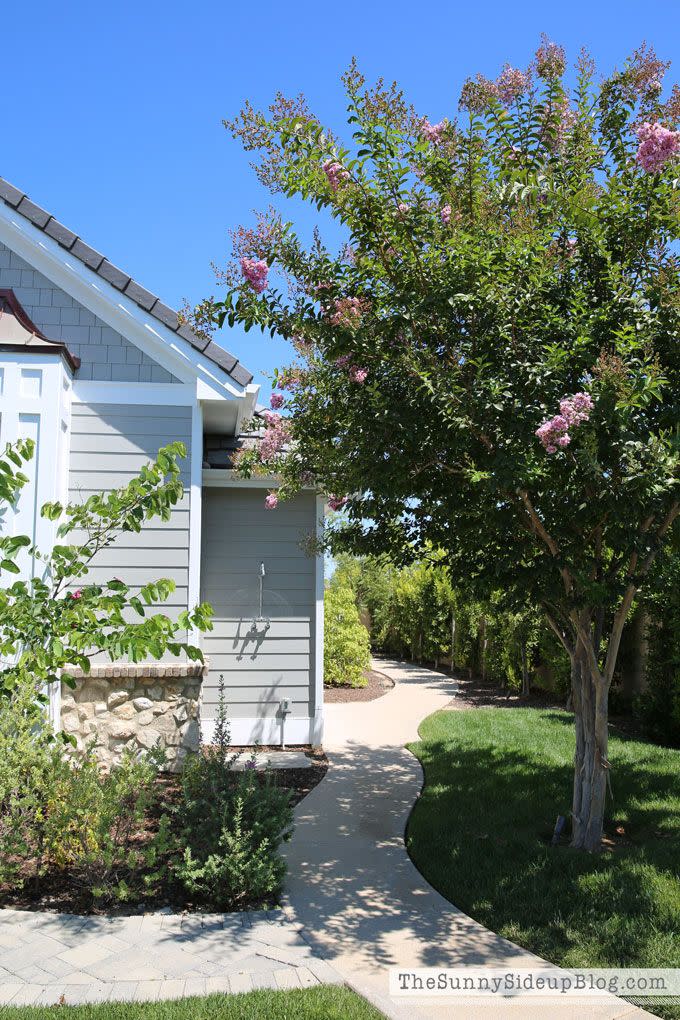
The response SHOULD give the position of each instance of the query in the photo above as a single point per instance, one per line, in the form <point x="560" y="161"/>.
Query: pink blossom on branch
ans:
<point x="336" y="173"/>
<point x="657" y="146"/>
<point x="347" y="312"/>
<point x="445" y="215"/>
<point x="357" y="374"/>
<point x="512" y="84"/>
<point x="271" y="501"/>
<point x="554" y="433"/>
<point x="551" y="59"/>
<point x="576" y="409"/>
<point x="276" y="401"/>
<point x="255" y="273"/>
<point x="433" y="132"/>
<point x="337" y="502"/>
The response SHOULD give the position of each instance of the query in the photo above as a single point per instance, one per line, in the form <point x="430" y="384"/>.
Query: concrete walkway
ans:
<point x="351" y="883"/>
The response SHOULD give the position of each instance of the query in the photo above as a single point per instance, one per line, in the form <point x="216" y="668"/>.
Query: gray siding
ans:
<point x="104" y="353"/>
<point x="109" y="444"/>
<point x="238" y="534"/>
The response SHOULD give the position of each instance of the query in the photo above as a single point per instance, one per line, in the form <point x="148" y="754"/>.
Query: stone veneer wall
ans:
<point x="135" y="707"/>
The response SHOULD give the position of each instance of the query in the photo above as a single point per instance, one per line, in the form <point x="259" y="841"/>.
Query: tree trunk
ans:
<point x="482" y="635"/>
<point x="590" y="696"/>
<point x="453" y="639"/>
<point x="526" y="682"/>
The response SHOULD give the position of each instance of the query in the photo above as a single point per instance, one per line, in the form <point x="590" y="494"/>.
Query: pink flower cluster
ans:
<point x="337" y="502"/>
<point x="347" y="312"/>
<point x="275" y="437"/>
<point x="657" y="146"/>
<point x="403" y="208"/>
<point x="551" y="59"/>
<point x="511" y="84"/>
<point x="445" y="215"/>
<point x="255" y="272"/>
<point x="358" y="375"/>
<point x="271" y="501"/>
<point x="276" y="401"/>
<point x="554" y="433"/>
<point x="433" y="132"/>
<point x="335" y="172"/>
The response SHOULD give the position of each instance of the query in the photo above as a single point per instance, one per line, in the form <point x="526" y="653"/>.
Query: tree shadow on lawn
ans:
<point x="480" y="833"/>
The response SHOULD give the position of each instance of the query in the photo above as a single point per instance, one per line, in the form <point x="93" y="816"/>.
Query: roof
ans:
<point x="219" y="451"/>
<point x="17" y="331"/>
<point x="100" y="265"/>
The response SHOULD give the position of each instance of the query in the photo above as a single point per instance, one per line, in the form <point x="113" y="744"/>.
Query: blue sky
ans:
<point x="112" y="113"/>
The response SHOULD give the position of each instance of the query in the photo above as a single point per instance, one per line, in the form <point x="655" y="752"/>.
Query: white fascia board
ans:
<point x="246" y="408"/>
<point x="139" y="327"/>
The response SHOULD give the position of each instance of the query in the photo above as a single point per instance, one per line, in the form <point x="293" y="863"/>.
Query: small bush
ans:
<point x="232" y="826"/>
<point x="347" y="649"/>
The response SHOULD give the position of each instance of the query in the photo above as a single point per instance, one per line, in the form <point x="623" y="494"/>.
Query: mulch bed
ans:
<point x="475" y="693"/>
<point x="61" y="892"/>
<point x="378" y="685"/>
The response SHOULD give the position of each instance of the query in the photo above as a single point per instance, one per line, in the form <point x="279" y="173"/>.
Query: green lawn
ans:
<point x="495" y="781"/>
<point x="324" y="1002"/>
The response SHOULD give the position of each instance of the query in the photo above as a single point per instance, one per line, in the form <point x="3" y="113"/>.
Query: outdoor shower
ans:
<point x="254" y="628"/>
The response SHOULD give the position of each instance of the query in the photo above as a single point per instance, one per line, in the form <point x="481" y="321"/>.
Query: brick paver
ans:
<point x="47" y="958"/>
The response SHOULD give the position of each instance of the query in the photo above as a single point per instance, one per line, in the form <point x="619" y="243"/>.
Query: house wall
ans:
<point x="260" y="669"/>
<point x="104" y="353"/>
<point x="109" y="444"/>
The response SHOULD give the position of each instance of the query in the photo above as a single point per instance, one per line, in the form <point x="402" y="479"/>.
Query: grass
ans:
<point x="323" y="1002"/>
<point x="495" y="781"/>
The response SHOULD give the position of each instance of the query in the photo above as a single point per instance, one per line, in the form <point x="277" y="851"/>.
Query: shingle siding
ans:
<point x="104" y="353"/>
<point x="238" y="534"/>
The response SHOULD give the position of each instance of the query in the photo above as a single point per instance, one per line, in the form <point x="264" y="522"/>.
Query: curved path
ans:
<point x="361" y="901"/>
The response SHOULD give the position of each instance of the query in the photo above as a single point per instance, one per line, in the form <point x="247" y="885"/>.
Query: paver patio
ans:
<point x="151" y="957"/>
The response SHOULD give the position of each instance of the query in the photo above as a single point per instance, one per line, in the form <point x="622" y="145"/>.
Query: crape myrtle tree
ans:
<point x="58" y="619"/>
<point x="489" y="364"/>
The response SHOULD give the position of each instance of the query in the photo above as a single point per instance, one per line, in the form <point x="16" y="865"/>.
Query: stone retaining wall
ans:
<point x="135" y="707"/>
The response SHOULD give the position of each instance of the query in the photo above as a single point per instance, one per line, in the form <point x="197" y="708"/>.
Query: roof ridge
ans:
<point x="100" y="265"/>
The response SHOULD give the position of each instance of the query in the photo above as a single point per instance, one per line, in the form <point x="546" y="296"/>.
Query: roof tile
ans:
<point x="33" y="212"/>
<point x="113" y="275"/>
<point x="10" y="194"/>
<point x="226" y="360"/>
<point x="61" y="234"/>
<point x="142" y="297"/>
<point x="167" y="315"/>
<point x="89" y="256"/>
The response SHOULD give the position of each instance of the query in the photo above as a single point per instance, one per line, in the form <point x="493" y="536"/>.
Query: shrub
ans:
<point x="66" y="814"/>
<point x="347" y="650"/>
<point x="232" y="826"/>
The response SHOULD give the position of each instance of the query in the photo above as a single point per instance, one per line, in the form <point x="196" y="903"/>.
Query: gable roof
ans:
<point x="100" y="265"/>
